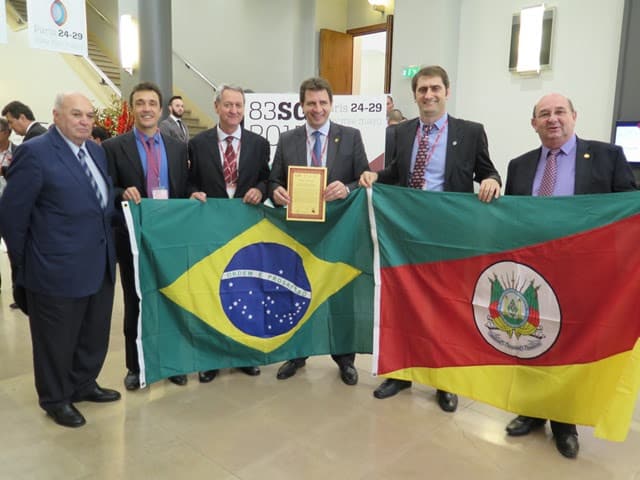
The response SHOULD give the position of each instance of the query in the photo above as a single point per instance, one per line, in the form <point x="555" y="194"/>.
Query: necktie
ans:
<point x="182" y="129"/>
<point x="153" y="167"/>
<point x="92" y="180"/>
<point x="549" y="175"/>
<point x="422" y="159"/>
<point x="230" y="166"/>
<point x="316" y="158"/>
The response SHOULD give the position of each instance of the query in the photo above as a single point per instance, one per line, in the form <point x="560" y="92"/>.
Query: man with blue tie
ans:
<point x="55" y="216"/>
<point x="319" y="142"/>
<point x="143" y="163"/>
<point x="435" y="152"/>
<point x="563" y="165"/>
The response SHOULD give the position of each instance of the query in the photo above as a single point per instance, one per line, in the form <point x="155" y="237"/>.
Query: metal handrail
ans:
<point x="196" y="71"/>
<point x="101" y="15"/>
<point x="104" y="80"/>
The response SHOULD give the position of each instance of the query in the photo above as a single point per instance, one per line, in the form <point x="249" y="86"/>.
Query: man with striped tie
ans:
<point x="55" y="216"/>
<point x="435" y="152"/>
<point x="563" y="165"/>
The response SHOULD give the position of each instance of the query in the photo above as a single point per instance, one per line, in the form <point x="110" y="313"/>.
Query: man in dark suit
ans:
<point x="436" y="152"/>
<point x="563" y="165"/>
<point x="143" y="163"/>
<point x="173" y="125"/>
<point x="228" y="161"/>
<point x="319" y="142"/>
<point x="22" y="121"/>
<point x="55" y="216"/>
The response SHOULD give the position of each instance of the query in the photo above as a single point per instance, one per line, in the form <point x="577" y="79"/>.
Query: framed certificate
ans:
<point x="306" y="186"/>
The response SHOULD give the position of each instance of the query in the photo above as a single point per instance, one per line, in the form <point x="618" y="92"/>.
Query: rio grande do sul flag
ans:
<point x="225" y="284"/>
<point x="528" y="304"/>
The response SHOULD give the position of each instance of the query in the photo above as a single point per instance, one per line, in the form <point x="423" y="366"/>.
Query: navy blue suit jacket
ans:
<point x="58" y="236"/>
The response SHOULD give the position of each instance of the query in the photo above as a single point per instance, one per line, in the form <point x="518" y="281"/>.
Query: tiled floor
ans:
<point x="238" y="427"/>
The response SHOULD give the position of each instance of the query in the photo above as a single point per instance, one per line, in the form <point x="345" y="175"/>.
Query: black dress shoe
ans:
<point x="567" y="444"/>
<point x="522" y="425"/>
<point x="207" y="376"/>
<point x="132" y="380"/>
<point x="178" y="380"/>
<point x="97" y="394"/>
<point x="348" y="374"/>
<point x="390" y="387"/>
<point x="66" y="415"/>
<point x="251" y="371"/>
<point x="289" y="368"/>
<point x="447" y="401"/>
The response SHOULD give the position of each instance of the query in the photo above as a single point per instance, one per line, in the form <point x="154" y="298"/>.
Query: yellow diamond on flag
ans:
<point x="260" y="288"/>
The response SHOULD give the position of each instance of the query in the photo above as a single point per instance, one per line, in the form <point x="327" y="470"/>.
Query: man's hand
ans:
<point x="132" y="193"/>
<point x="253" y="196"/>
<point x="281" y="196"/>
<point x="489" y="189"/>
<point x="335" y="190"/>
<point x="367" y="179"/>
<point x="199" y="196"/>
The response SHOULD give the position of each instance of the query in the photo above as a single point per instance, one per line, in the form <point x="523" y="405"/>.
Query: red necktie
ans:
<point x="422" y="159"/>
<point x="153" y="167"/>
<point x="230" y="166"/>
<point x="549" y="175"/>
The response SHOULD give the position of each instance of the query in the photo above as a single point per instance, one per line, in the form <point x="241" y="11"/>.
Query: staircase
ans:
<point x="110" y="68"/>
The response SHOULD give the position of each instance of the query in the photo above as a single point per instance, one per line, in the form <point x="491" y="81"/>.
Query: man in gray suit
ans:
<point x="563" y="165"/>
<point x="435" y="152"/>
<point x="173" y="125"/>
<point x="319" y="142"/>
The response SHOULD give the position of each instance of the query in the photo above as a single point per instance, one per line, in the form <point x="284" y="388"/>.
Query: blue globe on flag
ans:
<point x="264" y="289"/>
<point x="58" y="12"/>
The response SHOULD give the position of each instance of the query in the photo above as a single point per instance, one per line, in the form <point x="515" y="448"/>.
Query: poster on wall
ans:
<point x="271" y="114"/>
<point x="58" y="25"/>
<point x="3" y="22"/>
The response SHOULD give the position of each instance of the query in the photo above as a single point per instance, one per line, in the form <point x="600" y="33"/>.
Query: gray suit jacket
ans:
<point x="600" y="168"/>
<point x="467" y="157"/>
<point x="346" y="157"/>
<point x="169" y="127"/>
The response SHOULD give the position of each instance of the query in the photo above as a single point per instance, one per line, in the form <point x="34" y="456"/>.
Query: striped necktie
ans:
<point x="94" y="185"/>
<point x="550" y="174"/>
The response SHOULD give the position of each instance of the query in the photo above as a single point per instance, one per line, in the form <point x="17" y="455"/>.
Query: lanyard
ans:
<point x="420" y="136"/>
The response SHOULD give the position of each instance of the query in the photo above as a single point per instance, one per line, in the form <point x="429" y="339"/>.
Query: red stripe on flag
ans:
<point x="427" y="317"/>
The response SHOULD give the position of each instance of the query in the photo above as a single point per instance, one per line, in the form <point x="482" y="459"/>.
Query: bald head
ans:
<point x="73" y="114"/>
<point x="554" y="120"/>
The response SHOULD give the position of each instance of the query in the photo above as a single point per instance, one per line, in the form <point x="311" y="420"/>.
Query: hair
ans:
<point x="395" y="115"/>
<point x="315" y="84"/>
<point x="145" y="87"/>
<point x="223" y="88"/>
<point x="533" y="114"/>
<point x="175" y="97"/>
<point x="100" y="132"/>
<point x="16" y="109"/>
<point x="4" y="125"/>
<point x="430" y="71"/>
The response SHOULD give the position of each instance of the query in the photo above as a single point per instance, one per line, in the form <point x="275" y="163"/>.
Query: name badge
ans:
<point x="160" y="193"/>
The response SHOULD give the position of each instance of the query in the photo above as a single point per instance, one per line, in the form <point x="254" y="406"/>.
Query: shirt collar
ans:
<point x="74" y="148"/>
<point x="155" y="136"/>
<point x="565" y="149"/>
<point x="324" y="129"/>
<point x="438" y="123"/>
<point x="222" y="136"/>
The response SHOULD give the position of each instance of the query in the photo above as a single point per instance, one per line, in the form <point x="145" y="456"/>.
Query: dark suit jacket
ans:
<point x="206" y="172"/>
<point x="169" y="127"/>
<point x="36" y="130"/>
<point x="600" y="168"/>
<point x="467" y="158"/>
<point x="58" y="236"/>
<point x="346" y="157"/>
<point x="125" y="166"/>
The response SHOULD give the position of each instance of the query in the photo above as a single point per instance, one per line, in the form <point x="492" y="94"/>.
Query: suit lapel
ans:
<point x="334" y="139"/>
<point x="583" y="167"/>
<point x="300" y="146"/>
<point x="454" y="140"/>
<point x="213" y="152"/>
<point x="404" y="144"/>
<point x="529" y="168"/>
<point x="130" y="149"/>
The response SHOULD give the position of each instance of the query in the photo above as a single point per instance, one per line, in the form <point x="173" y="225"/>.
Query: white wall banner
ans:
<point x="58" y="25"/>
<point x="270" y="114"/>
<point x="3" y="22"/>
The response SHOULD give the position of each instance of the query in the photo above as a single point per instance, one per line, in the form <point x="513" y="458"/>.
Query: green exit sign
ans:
<point x="410" y="71"/>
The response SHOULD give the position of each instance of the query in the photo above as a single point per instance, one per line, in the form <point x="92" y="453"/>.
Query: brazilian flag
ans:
<point x="225" y="284"/>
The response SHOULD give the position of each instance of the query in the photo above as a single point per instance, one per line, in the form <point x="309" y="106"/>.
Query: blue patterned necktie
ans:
<point x="422" y="159"/>
<point x="92" y="180"/>
<point x="316" y="158"/>
<point x="550" y="174"/>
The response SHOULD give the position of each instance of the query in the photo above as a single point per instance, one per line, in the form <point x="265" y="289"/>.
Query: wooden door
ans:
<point x="336" y="60"/>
